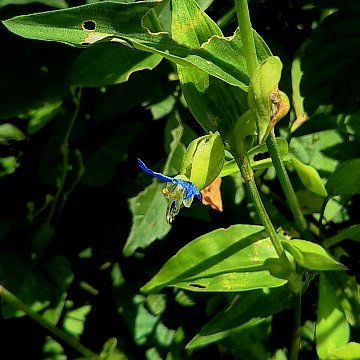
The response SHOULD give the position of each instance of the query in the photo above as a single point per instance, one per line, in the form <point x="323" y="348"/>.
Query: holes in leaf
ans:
<point x="198" y="286"/>
<point x="89" y="25"/>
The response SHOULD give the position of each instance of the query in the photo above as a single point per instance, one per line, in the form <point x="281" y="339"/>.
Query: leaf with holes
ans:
<point x="122" y="23"/>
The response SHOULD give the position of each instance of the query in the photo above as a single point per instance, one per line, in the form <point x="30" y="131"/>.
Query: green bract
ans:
<point x="204" y="160"/>
<point x="263" y="96"/>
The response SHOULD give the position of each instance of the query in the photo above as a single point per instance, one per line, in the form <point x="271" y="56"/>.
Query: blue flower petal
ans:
<point x="189" y="187"/>
<point x="154" y="174"/>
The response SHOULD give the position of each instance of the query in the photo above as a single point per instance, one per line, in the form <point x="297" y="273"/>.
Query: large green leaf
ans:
<point x="311" y="256"/>
<point x="122" y="22"/>
<point x="331" y="75"/>
<point x="345" y="179"/>
<point x="246" y="310"/>
<point x="217" y="252"/>
<point x="215" y="105"/>
<point x="332" y="330"/>
<point x="107" y="64"/>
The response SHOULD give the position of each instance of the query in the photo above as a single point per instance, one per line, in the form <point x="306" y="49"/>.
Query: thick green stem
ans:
<point x="287" y="186"/>
<point x="12" y="300"/>
<point x="247" y="35"/>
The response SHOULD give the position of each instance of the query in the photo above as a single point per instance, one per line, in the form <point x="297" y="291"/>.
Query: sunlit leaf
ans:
<point x="311" y="256"/>
<point x="224" y="250"/>
<point x="332" y="330"/>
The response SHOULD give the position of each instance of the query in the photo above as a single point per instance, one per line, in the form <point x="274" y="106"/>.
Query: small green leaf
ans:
<point x="350" y="351"/>
<point x="332" y="330"/>
<point x="214" y="253"/>
<point x="232" y="282"/>
<point x="74" y="320"/>
<point x="54" y="3"/>
<point x="10" y="132"/>
<point x="310" y="177"/>
<point x="38" y="118"/>
<point x="263" y="83"/>
<point x="107" y="64"/>
<point x="311" y="256"/>
<point x="8" y="165"/>
<point x="345" y="180"/>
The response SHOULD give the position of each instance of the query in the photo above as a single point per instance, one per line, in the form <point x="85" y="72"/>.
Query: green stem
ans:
<point x="295" y="343"/>
<point x="68" y="339"/>
<point x="64" y="148"/>
<point x="287" y="186"/>
<point x="248" y="175"/>
<point x="247" y="35"/>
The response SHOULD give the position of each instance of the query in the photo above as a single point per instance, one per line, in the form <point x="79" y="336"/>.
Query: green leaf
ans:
<point x="347" y="291"/>
<point x="245" y="311"/>
<point x="54" y="3"/>
<point x="232" y="282"/>
<point x="330" y="79"/>
<point x="214" y="104"/>
<point x="263" y="83"/>
<point x="107" y="64"/>
<point x="310" y="177"/>
<point x="149" y="219"/>
<point x="350" y="351"/>
<point x="122" y="22"/>
<point x="311" y="256"/>
<point x="149" y="207"/>
<point x="332" y="330"/>
<point x="217" y="252"/>
<point x="345" y="180"/>
<point x="38" y="118"/>
<point x="10" y="132"/>
<point x="8" y="165"/>
<point x="19" y="276"/>
<point x="103" y="162"/>
<point x="75" y="319"/>
<point x="352" y="233"/>
<point x="110" y="352"/>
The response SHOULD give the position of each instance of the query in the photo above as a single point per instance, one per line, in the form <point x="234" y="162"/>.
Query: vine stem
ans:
<point x="67" y="338"/>
<point x="287" y="186"/>
<point x="64" y="148"/>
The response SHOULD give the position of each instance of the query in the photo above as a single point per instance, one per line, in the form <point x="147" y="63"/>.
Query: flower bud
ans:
<point x="204" y="160"/>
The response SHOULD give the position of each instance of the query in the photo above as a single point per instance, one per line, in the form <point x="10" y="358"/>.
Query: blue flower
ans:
<point x="178" y="191"/>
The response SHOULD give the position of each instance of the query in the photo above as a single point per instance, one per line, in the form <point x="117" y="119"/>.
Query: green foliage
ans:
<point x="86" y="250"/>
